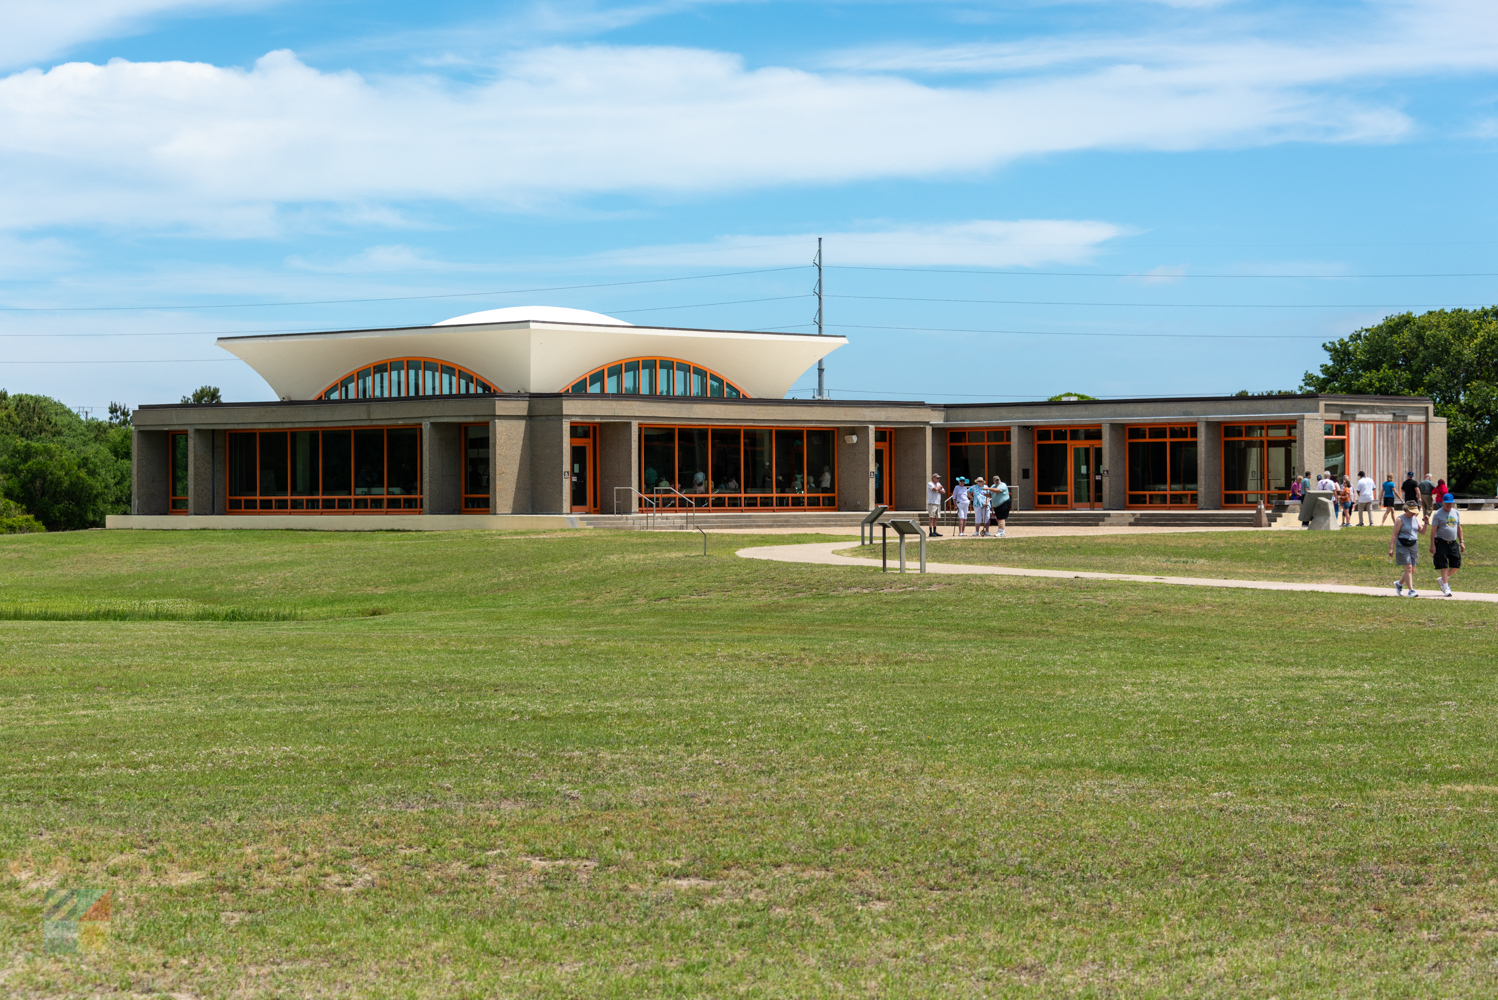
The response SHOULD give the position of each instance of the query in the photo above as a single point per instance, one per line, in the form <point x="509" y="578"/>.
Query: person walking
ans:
<point x="1001" y="503"/>
<point x="934" y="490"/>
<point x="1441" y="488"/>
<point x="1344" y="502"/>
<point x="1411" y="490"/>
<point x="961" y="500"/>
<point x="1427" y="495"/>
<point x="1404" y="547"/>
<point x="1363" y="497"/>
<point x="1446" y="542"/>
<point x="979" y="496"/>
<point x="1388" y="494"/>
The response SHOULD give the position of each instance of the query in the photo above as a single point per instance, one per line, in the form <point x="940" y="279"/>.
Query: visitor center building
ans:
<point x="551" y="411"/>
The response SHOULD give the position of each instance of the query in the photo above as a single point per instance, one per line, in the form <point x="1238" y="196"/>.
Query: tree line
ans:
<point x="59" y="470"/>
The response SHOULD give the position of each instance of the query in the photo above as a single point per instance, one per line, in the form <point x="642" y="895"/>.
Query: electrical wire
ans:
<point x="1078" y="333"/>
<point x="1167" y="305"/>
<point x="1146" y="274"/>
<point x="392" y="298"/>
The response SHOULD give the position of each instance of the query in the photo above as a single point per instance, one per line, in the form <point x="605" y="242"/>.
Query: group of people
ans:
<point x="1349" y="496"/>
<point x="988" y="502"/>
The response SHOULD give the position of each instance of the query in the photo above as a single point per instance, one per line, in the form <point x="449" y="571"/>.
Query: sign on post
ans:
<point x="905" y="528"/>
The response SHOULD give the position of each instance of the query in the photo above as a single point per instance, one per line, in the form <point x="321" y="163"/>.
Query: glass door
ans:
<point x="584" y="488"/>
<point x="1086" y="477"/>
<point x="883" y="489"/>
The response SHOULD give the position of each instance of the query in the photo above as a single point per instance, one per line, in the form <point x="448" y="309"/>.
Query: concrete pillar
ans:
<point x="1208" y="465"/>
<point x="149" y="476"/>
<point x="1310" y="446"/>
<point x="855" y="468"/>
<point x="510" y="470"/>
<point x="910" y="453"/>
<point x="205" y="471"/>
<point x="618" y="465"/>
<point x="1115" y="467"/>
<point x="1022" y="454"/>
<point x="442" y="467"/>
<point x="1435" y="448"/>
<point x="551" y="481"/>
<point x="940" y="456"/>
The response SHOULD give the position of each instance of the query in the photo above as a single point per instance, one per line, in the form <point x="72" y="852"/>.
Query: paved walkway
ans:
<point x="825" y="554"/>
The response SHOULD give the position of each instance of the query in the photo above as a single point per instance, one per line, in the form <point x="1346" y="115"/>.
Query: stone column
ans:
<point x="510" y="474"/>
<point x="205" y="471"/>
<point x="442" y="467"/>
<point x="1022" y="455"/>
<point x="855" y="468"/>
<point x="910" y="454"/>
<point x="551" y="480"/>
<point x="1115" y="467"/>
<point x="1435" y="448"/>
<point x="150" y="483"/>
<point x="1208" y="465"/>
<point x="618" y="465"/>
<point x="1310" y="446"/>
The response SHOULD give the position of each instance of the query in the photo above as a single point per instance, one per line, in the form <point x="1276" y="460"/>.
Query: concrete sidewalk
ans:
<point x="825" y="554"/>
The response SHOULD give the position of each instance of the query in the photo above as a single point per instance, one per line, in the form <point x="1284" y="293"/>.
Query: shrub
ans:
<point x="15" y="521"/>
<point x="59" y="490"/>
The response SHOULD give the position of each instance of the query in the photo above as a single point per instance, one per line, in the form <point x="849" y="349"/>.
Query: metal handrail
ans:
<point x="650" y="512"/>
<point x="691" y="517"/>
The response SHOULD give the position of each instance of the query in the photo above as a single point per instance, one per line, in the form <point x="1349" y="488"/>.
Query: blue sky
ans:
<point x="1018" y="198"/>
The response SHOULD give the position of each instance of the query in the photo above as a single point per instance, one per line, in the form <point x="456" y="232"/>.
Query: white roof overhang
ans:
<point x="530" y="355"/>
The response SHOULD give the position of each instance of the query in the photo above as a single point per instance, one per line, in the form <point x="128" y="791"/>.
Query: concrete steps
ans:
<point x="812" y="520"/>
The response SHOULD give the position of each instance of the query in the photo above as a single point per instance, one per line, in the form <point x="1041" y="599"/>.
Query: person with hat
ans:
<point x="1446" y="541"/>
<point x="979" y="495"/>
<point x="961" y="500"/>
<point x="934" y="490"/>
<point x="1404" y="547"/>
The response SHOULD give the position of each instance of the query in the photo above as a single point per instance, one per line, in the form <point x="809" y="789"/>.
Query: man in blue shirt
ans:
<point x="1389" y="488"/>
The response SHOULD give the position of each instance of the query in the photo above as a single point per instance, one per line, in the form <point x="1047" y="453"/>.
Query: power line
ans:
<point x="1170" y="305"/>
<point x="1146" y="274"/>
<point x="393" y="298"/>
<point x="1078" y="333"/>
<point x="704" y="305"/>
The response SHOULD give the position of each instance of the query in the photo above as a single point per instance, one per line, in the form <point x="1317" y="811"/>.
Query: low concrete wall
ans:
<point x="346" y="522"/>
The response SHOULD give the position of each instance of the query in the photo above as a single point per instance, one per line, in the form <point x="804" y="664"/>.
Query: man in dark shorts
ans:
<point x="1410" y="488"/>
<point x="1446" y="541"/>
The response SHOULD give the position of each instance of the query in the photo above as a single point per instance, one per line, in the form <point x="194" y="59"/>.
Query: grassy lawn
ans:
<point x="1352" y="556"/>
<point x="596" y="765"/>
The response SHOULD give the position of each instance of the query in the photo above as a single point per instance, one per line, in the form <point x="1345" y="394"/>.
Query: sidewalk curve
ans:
<point x="824" y="554"/>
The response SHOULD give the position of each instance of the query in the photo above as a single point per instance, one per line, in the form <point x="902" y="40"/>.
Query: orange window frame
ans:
<point x="716" y="494"/>
<point x="177" y="500"/>
<point x="1089" y="435"/>
<point x="1168" y="434"/>
<point x="1235" y="432"/>
<point x="364" y="382"/>
<point x="476" y="502"/>
<point x="240" y="502"/>
<point x="991" y="440"/>
<point x="1336" y="431"/>
<point x="614" y="378"/>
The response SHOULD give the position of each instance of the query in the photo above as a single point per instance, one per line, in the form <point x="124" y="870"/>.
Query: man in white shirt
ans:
<point x="1326" y="482"/>
<point x="1362" y="495"/>
<point x="934" y="490"/>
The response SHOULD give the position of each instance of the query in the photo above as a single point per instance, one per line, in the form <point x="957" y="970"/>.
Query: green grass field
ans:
<point x="1352" y="556"/>
<point x="595" y="764"/>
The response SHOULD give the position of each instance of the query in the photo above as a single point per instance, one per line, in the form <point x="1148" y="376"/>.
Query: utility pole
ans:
<point x="821" y="371"/>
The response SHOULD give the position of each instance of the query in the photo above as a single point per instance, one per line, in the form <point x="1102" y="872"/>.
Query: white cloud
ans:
<point x="282" y="144"/>
<point x="33" y="30"/>
<point x="977" y="243"/>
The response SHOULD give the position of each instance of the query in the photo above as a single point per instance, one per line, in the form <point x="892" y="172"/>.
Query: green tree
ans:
<point x="15" y="521"/>
<point x="204" y="394"/>
<point x="1067" y="397"/>
<point x="59" y="490"/>
<point x="119" y="415"/>
<point x="1450" y="355"/>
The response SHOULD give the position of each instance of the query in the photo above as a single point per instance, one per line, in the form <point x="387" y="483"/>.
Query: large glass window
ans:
<point x="656" y="376"/>
<point x="1258" y="463"/>
<point x="354" y="470"/>
<point x="1062" y="453"/>
<point x="978" y="452"/>
<point x="475" y="468"/>
<point x="738" y="467"/>
<point x="402" y="377"/>
<point x="1162" y="465"/>
<point x="177" y="471"/>
<point x="1336" y="450"/>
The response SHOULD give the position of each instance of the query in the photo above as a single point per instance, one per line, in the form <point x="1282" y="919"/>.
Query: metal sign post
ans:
<point x="905" y="528"/>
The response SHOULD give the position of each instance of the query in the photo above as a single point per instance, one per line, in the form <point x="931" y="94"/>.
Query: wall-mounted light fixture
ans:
<point x="850" y="439"/>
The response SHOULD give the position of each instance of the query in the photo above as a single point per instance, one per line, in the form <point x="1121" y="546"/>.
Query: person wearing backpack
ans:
<point x="1404" y="547"/>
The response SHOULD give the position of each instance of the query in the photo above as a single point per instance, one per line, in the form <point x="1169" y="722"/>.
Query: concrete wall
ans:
<point x="618" y="465"/>
<point x="205" y="471"/>
<point x="149" y="476"/>
<point x="1022" y="455"/>
<point x="1116" y="466"/>
<point x="1310" y="446"/>
<point x="442" y="467"/>
<point x="912" y="458"/>
<point x="1436" y="448"/>
<point x="855" y="468"/>
<point x="510" y="481"/>
<point x="1208" y="465"/>
<point x="551" y="483"/>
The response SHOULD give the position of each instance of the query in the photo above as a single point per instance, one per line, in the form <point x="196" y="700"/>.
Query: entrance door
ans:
<point x="883" y="468"/>
<point x="584" y="487"/>
<point x="1086" y="477"/>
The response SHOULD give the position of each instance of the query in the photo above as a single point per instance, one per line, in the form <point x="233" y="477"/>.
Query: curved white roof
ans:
<point x="531" y="354"/>
<point x="544" y="314"/>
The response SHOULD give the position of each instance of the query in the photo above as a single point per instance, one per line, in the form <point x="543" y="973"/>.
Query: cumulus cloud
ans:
<point x="248" y="151"/>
